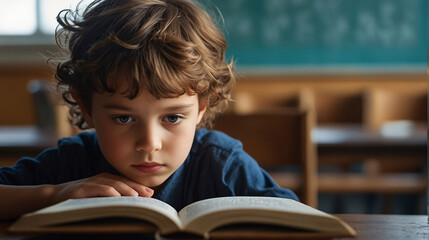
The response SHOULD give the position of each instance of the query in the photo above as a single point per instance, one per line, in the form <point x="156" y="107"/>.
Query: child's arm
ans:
<point x="17" y="200"/>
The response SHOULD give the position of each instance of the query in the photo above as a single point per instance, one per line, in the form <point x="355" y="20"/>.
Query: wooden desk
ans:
<point x="383" y="227"/>
<point x="20" y="141"/>
<point x="368" y="227"/>
<point x="343" y="145"/>
<point x="356" y="141"/>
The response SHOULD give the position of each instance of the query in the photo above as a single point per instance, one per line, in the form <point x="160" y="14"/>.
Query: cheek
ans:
<point x="112" y="145"/>
<point x="180" y="145"/>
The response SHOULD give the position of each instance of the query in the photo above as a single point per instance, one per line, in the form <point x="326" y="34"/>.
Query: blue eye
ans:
<point x="123" y="119"/>
<point x="174" y="118"/>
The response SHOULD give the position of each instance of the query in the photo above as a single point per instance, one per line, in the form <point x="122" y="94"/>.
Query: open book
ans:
<point x="197" y="218"/>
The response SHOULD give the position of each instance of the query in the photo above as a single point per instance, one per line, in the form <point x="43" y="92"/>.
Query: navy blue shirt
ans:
<point x="216" y="166"/>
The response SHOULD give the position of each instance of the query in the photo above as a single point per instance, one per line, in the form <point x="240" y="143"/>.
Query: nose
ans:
<point x="148" y="140"/>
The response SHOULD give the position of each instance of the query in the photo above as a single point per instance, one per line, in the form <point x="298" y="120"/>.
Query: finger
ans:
<point x="117" y="182"/>
<point x="122" y="187"/>
<point x="144" y="191"/>
<point x="131" y="189"/>
<point x="90" y="189"/>
<point x="105" y="191"/>
<point x="139" y="188"/>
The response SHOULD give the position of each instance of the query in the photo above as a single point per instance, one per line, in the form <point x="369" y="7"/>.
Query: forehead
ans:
<point x="143" y="99"/>
<point x="132" y="80"/>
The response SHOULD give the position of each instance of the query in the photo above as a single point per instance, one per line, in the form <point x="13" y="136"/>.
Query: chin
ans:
<point x="153" y="182"/>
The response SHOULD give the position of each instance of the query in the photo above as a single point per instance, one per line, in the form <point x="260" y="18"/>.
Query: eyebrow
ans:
<point x="178" y="107"/>
<point x="168" y="109"/>
<point x="116" y="107"/>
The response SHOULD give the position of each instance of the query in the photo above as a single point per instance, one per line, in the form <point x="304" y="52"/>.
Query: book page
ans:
<point x="98" y="202"/>
<point x="204" y="207"/>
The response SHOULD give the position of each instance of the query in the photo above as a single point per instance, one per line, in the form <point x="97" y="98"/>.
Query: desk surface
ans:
<point x="358" y="136"/>
<point x="379" y="227"/>
<point x="19" y="138"/>
<point x="25" y="139"/>
<point x="341" y="144"/>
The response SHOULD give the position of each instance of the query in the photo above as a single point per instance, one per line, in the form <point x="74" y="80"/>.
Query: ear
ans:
<point x="83" y="108"/>
<point x="201" y="113"/>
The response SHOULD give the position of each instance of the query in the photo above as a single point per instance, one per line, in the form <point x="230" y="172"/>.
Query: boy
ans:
<point x="147" y="75"/>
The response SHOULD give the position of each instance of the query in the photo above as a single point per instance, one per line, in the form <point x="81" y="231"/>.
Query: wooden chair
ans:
<point x="51" y="115"/>
<point x="338" y="107"/>
<point x="397" y="114"/>
<point x="385" y="169"/>
<point x="249" y="102"/>
<point x="343" y="110"/>
<point x="43" y="102"/>
<point x="384" y="106"/>
<point x="279" y="139"/>
<point x="22" y="141"/>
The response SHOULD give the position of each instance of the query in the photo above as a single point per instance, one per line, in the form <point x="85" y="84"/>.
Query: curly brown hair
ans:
<point x="167" y="47"/>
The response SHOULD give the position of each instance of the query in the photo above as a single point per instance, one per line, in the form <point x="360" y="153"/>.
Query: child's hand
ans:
<point x="101" y="185"/>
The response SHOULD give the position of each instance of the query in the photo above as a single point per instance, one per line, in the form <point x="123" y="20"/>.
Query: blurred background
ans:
<point x="351" y="74"/>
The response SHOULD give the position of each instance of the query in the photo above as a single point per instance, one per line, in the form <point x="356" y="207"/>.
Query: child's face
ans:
<point x="145" y="139"/>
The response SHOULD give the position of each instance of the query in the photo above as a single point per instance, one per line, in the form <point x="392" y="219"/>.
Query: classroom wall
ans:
<point x="280" y="46"/>
<point x="17" y="106"/>
<point x="340" y="82"/>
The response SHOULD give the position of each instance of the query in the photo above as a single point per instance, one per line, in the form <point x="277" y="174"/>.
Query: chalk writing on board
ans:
<point x="362" y="27"/>
<point x="301" y="22"/>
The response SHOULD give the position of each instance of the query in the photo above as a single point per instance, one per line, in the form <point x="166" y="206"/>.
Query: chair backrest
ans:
<point x="333" y="107"/>
<point x="390" y="105"/>
<point x="51" y="115"/>
<point x="45" y="113"/>
<point x="247" y="102"/>
<point x="278" y="138"/>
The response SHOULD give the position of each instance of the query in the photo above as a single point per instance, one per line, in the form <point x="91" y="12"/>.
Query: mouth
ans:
<point x="149" y="167"/>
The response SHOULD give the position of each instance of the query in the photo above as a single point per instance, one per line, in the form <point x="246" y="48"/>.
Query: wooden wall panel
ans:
<point x="16" y="105"/>
<point x="341" y="82"/>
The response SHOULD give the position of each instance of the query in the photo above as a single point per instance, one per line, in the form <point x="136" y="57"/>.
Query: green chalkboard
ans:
<point x="263" y="33"/>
